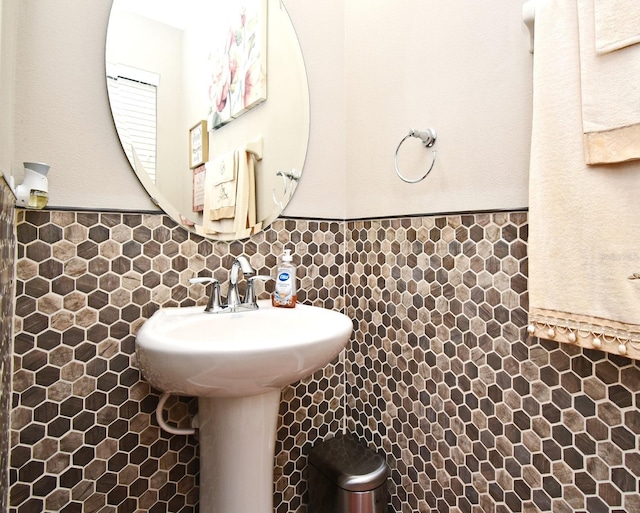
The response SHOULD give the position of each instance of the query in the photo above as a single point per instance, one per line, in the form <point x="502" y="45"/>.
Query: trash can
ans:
<point x="346" y="477"/>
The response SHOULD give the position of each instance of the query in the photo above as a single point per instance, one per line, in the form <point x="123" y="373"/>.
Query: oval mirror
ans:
<point x="210" y="101"/>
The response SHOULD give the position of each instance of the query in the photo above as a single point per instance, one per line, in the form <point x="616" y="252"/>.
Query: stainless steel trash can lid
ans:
<point x="349" y="464"/>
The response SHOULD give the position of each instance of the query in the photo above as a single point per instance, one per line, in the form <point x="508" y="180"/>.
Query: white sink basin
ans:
<point x="188" y="352"/>
<point x="237" y="363"/>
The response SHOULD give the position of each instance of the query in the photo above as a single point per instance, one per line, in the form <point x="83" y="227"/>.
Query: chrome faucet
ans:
<point x="234" y="303"/>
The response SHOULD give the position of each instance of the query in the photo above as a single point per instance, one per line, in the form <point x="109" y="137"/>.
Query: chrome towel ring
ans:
<point x="289" y="179"/>
<point x="428" y="138"/>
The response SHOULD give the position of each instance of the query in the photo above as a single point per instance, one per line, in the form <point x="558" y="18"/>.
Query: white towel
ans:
<point x="610" y="88"/>
<point x="241" y="227"/>
<point x="583" y="221"/>
<point x="617" y="24"/>
<point x="230" y="198"/>
<point x="220" y="187"/>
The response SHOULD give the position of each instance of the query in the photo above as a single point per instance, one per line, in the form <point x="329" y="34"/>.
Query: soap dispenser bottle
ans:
<point x="285" y="293"/>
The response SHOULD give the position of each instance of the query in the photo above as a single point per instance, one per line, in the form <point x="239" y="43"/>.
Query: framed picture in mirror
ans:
<point x="198" y="188"/>
<point x="198" y="144"/>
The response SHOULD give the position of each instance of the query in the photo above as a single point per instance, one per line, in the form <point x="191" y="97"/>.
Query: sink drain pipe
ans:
<point x="161" y="422"/>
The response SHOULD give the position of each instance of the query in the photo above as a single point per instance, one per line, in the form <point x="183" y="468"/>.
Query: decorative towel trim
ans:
<point x="223" y="212"/>
<point x="611" y="146"/>
<point x="587" y="332"/>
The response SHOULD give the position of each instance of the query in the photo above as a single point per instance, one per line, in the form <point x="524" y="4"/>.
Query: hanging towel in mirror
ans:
<point x="221" y="187"/>
<point x="609" y="81"/>
<point x="252" y="221"/>
<point x="245" y="200"/>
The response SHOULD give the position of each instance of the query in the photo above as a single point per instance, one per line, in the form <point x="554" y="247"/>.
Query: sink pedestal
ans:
<point x="237" y="446"/>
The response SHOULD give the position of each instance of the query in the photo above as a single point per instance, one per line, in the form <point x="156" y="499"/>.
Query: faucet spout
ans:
<point x="244" y="264"/>
<point x="239" y="264"/>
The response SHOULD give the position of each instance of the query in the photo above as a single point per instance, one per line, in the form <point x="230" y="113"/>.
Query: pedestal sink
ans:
<point x="236" y="364"/>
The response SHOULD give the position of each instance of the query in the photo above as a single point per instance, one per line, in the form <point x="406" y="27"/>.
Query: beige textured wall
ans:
<point x="322" y="191"/>
<point x="462" y="68"/>
<point x="8" y="37"/>
<point x="376" y="69"/>
<point x="62" y="111"/>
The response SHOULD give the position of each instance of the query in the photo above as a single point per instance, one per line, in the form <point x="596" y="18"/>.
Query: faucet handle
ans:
<point x="214" y="298"/>
<point x="203" y="279"/>
<point x="250" y="295"/>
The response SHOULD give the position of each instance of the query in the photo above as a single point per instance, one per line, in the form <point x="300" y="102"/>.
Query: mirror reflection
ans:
<point x="210" y="102"/>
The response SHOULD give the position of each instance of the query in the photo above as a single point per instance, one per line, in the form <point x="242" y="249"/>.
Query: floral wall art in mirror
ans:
<point x="238" y="60"/>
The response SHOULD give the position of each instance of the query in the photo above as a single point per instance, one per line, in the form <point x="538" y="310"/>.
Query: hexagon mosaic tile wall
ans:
<point x="83" y="430"/>
<point x="7" y="267"/>
<point x="471" y="414"/>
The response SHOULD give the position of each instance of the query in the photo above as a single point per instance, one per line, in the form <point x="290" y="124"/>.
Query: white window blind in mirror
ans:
<point x="133" y="99"/>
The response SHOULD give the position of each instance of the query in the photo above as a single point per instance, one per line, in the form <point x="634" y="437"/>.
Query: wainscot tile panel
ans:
<point x="473" y="415"/>
<point x="83" y="431"/>
<point x="7" y="271"/>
